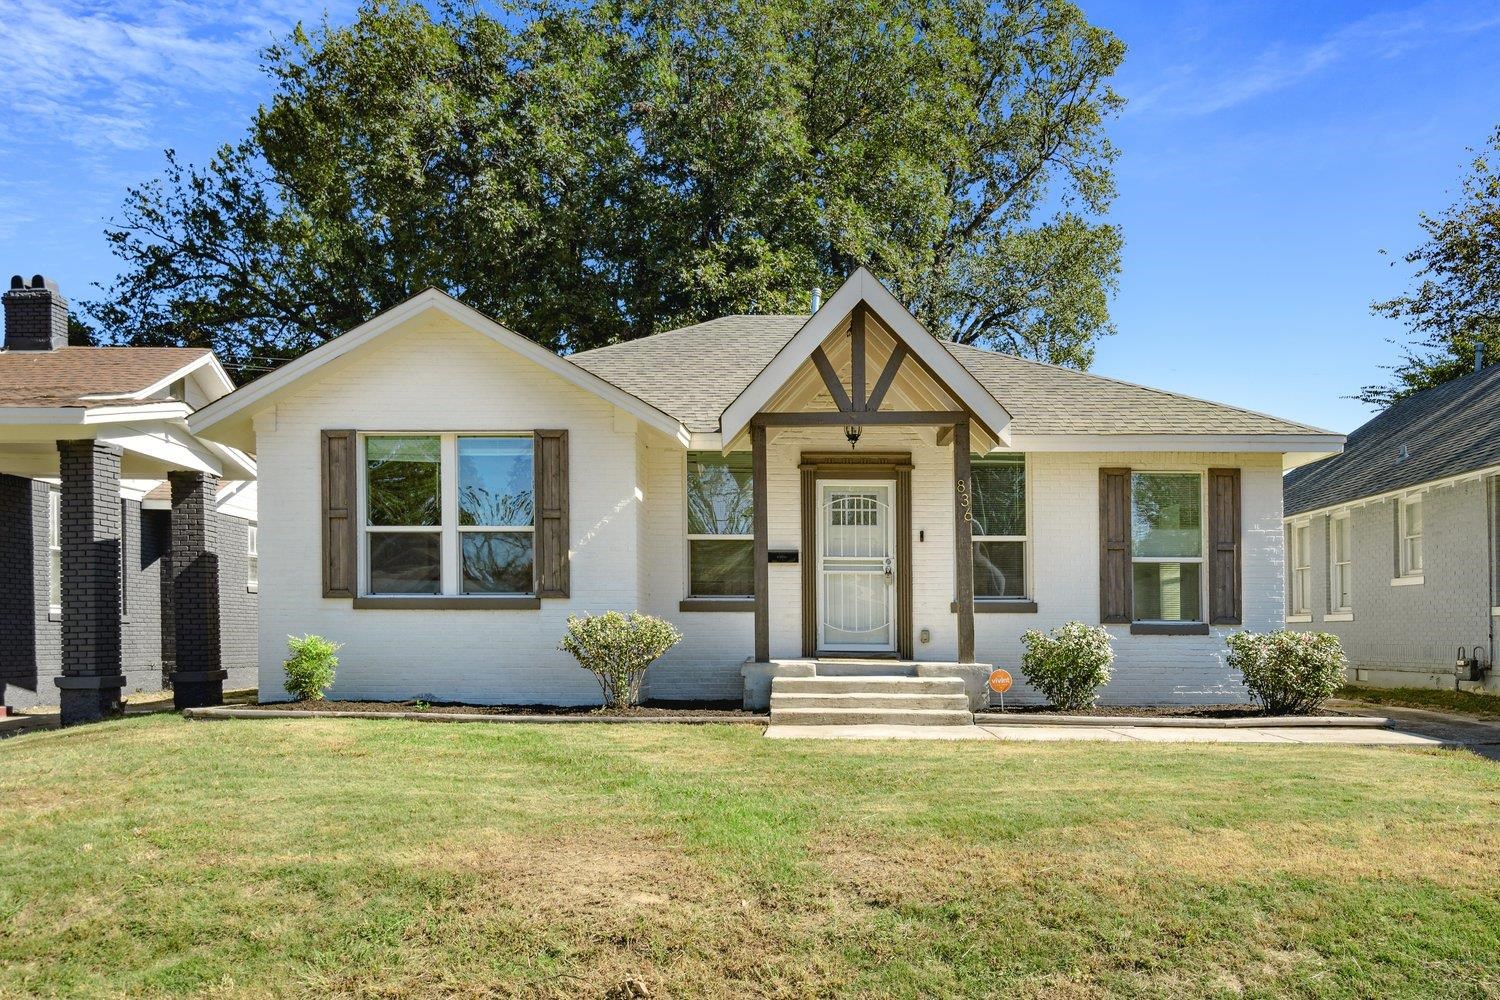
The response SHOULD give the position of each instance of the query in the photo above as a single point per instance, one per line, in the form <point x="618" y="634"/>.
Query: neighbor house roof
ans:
<point x="88" y="376"/>
<point x="695" y="373"/>
<point x="1447" y="430"/>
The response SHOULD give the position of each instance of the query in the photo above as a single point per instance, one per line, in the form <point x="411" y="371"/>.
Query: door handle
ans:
<point x="888" y="569"/>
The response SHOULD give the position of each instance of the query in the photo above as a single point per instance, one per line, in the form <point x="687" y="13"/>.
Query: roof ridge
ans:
<point x="1137" y="385"/>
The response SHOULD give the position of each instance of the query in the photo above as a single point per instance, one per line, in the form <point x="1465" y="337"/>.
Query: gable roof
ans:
<point x="228" y="419"/>
<point x="94" y="376"/>
<point x="1448" y="430"/>
<point x="862" y="287"/>
<point x="695" y="373"/>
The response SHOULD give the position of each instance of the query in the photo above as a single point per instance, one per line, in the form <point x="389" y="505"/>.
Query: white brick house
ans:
<point x="439" y="494"/>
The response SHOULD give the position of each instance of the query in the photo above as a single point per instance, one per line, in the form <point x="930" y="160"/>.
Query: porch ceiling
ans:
<point x="149" y="450"/>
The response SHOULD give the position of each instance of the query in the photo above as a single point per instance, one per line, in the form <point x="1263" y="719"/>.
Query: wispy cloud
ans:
<point x="100" y="76"/>
<point x="1202" y="89"/>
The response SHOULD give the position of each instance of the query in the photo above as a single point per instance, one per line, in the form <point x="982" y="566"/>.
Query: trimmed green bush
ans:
<point x="1069" y="665"/>
<point x="617" y="648"/>
<point x="1289" y="673"/>
<point x="309" y="670"/>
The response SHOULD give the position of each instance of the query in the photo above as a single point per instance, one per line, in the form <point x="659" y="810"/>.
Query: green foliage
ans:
<point x="1455" y="305"/>
<point x="309" y="670"/>
<point x="617" y="648"/>
<point x="1289" y="673"/>
<point x="594" y="172"/>
<point x="1068" y="666"/>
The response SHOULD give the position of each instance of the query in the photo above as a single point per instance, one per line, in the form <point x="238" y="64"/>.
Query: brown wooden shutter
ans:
<point x="1114" y="546"/>
<point x="340" y="487"/>
<point x="551" y="513"/>
<point x="1224" y="562"/>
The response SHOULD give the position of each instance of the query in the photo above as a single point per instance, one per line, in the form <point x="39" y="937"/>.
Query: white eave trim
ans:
<point x="863" y="286"/>
<point x="219" y="375"/>
<point x="1325" y="444"/>
<point x="254" y="395"/>
<point x="81" y="415"/>
<point x="1416" y="489"/>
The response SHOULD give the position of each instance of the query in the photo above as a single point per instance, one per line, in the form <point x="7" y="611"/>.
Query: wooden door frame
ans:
<point x="816" y="466"/>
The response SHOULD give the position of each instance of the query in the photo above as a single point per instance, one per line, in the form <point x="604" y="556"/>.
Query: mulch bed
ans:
<point x="1150" y="711"/>
<point x="650" y="709"/>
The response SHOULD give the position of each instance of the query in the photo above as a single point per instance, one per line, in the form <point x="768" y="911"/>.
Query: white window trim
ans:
<point x="54" y="547"/>
<point x="1339" y="616"/>
<point x="687" y="548"/>
<point x="1201" y="559"/>
<point x="1404" y="571"/>
<point x="450" y="545"/>
<point x="1299" y="609"/>
<point x="252" y="557"/>
<point x="1334" y="605"/>
<point x="1025" y="540"/>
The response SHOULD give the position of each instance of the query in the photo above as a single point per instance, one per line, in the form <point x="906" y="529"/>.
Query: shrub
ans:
<point x="1289" y="673"/>
<point x="1070" y="665"/>
<point x="309" y="670"/>
<point x="617" y="648"/>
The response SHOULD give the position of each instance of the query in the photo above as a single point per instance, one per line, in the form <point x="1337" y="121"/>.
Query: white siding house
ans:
<point x="660" y="500"/>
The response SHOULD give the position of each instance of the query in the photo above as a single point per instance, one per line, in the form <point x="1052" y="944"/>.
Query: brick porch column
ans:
<point x="90" y="522"/>
<point x="198" y="679"/>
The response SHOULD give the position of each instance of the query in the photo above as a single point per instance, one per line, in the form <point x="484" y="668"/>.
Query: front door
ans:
<point x="856" y="566"/>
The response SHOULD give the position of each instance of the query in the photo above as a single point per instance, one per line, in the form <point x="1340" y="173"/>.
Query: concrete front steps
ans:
<point x="869" y="700"/>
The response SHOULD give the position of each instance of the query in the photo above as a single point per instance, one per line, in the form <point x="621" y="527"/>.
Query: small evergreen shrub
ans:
<point x="309" y="670"/>
<point x="1289" y="673"/>
<point x="617" y="648"/>
<point x="1069" y="665"/>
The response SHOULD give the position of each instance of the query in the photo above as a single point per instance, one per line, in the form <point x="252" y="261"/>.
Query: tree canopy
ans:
<point x="599" y="171"/>
<point x="1455" y="305"/>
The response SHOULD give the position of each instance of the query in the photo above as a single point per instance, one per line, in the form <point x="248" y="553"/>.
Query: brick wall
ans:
<point x="1407" y="635"/>
<point x="31" y="637"/>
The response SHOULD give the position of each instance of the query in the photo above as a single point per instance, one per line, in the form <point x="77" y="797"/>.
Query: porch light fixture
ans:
<point x="852" y="433"/>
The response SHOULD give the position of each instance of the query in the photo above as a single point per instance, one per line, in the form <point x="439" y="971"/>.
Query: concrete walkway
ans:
<point x="1481" y="736"/>
<point x="1114" y="734"/>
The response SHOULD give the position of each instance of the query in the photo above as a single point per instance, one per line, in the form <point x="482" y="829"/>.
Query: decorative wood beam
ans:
<point x="831" y="379"/>
<point x="857" y="356"/>
<point x="963" y="541"/>
<point x="887" y="376"/>
<point x="759" y="518"/>
<point x="884" y="418"/>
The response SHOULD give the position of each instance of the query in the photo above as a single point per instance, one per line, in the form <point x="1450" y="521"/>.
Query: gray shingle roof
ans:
<point x="694" y="374"/>
<point x="1448" y="430"/>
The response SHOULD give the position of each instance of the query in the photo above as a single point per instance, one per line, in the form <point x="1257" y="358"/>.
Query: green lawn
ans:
<point x="335" y="858"/>
<point x="1485" y="706"/>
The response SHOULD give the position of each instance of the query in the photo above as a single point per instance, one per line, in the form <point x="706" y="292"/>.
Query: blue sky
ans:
<point x="1269" y="152"/>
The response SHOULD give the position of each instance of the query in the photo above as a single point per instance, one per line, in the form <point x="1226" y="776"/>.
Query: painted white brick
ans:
<point x="628" y="524"/>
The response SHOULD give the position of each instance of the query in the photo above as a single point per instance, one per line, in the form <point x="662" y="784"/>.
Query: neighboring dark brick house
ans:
<point x="93" y="606"/>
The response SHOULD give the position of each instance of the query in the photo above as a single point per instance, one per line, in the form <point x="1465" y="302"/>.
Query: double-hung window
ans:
<point x="54" y="551"/>
<point x="1341" y="562"/>
<point x="720" y="523"/>
<point x="1409" y="537"/>
<point x="1166" y="534"/>
<point x="999" y="527"/>
<point x="1299" y="551"/>
<point x="449" y="514"/>
<point x="252" y="557"/>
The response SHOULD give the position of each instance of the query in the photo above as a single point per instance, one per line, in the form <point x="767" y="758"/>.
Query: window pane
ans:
<point x="721" y="568"/>
<point x="1166" y="514"/>
<point x="1167" y="592"/>
<point x="495" y="481"/>
<point x="404" y="562"/>
<point x="1414" y="519"/>
<point x="497" y="562"/>
<point x="54" y="578"/>
<point x="1000" y="496"/>
<point x="999" y="569"/>
<point x="719" y="490"/>
<point x="401" y="481"/>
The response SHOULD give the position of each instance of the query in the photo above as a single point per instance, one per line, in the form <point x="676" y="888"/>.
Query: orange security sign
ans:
<point x="1000" y="681"/>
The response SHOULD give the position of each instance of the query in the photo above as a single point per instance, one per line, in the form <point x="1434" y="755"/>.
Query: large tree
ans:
<point x="593" y="172"/>
<point x="1455" y="306"/>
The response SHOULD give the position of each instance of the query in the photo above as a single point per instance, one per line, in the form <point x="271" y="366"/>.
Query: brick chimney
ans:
<point x="36" y="315"/>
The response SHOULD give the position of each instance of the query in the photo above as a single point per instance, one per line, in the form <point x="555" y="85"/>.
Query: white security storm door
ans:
<point x="856" y="566"/>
